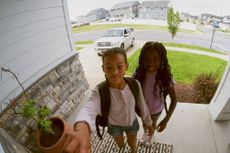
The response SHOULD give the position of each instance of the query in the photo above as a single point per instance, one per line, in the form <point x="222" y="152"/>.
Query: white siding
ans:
<point x="34" y="38"/>
<point x="220" y="105"/>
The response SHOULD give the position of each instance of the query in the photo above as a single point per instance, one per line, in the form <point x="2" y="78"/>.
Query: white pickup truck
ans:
<point x="122" y="37"/>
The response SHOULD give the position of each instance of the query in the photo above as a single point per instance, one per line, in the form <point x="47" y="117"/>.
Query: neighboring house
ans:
<point x="126" y="10"/>
<point x="186" y="17"/>
<point x="226" y="19"/>
<point x="97" y="14"/>
<point x="225" y="24"/>
<point x="209" y="18"/>
<point x="36" y="44"/>
<point x="156" y="10"/>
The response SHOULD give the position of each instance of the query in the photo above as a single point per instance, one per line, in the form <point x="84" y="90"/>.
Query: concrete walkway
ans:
<point x="191" y="128"/>
<point x="139" y="44"/>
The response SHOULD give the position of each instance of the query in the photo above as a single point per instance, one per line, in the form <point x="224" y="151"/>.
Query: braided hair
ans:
<point x="163" y="74"/>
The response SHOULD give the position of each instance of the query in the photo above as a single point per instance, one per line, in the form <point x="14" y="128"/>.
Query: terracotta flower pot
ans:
<point x="52" y="143"/>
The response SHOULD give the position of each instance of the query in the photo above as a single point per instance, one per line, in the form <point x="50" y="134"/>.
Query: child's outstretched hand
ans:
<point x="78" y="141"/>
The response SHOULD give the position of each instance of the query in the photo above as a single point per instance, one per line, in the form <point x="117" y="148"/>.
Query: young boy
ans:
<point x="121" y="117"/>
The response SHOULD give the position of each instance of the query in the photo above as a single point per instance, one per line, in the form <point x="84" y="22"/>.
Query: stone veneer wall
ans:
<point x="61" y="89"/>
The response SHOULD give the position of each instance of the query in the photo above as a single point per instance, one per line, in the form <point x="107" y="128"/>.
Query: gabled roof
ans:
<point x="125" y="4"/>
<point x="95" y="11"/>
<point x="227" y="17"/>
<point x="154" y="3"/>
<point x="211" y="15"/>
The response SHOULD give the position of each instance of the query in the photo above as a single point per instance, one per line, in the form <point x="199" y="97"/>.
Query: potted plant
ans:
<point x="50" y="130"/>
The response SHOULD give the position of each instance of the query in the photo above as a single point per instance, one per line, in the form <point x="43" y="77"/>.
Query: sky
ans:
<point x="193" y="7"/>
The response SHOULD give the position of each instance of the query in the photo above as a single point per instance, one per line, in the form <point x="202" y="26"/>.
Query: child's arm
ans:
<point x="79" y="139"/>
<point x="145" y="115"/>
<point x="89" y="110"/>
<point x="162" y="125"/>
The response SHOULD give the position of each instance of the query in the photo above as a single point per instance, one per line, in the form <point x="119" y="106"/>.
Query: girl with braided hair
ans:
<point x="154" y="74"/>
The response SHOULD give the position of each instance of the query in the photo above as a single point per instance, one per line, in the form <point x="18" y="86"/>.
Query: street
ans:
<point x="220" y="40"/>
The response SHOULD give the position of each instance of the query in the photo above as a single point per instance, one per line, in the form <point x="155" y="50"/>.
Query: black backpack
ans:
<point x="103" y="88"/>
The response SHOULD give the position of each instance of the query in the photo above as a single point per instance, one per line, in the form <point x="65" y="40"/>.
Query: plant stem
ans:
<point x="15" y="76"/>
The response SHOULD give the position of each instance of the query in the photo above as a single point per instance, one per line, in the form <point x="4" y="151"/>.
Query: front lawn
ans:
<point x="186" y="66"/>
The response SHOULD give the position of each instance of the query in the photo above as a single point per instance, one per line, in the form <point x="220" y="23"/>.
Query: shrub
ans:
<point x="205" y="86"/>
<point x="184" y="92"/>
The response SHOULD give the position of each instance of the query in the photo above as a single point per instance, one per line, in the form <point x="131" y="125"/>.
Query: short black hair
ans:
<point x="115" y="50"/>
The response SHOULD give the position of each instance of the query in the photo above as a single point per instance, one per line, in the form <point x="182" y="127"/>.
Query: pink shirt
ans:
<point x="155" y="102"/>
<point x="122" y="108"/>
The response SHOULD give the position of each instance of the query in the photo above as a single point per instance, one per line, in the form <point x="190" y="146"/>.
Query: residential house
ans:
<point x="36" y="45"/>
<point x="186" y="17"/>
<point x="156" y="10"/>
<point x="126" y="10"/>
<point x="97" y="14"/>
<point x="209" y="18"/>
<point x="226" y="19"/>
<point x="225" y="24"/>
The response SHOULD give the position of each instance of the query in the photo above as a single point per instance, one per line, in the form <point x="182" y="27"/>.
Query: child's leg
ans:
<point x="117" y="133"/>
<point x="119" y="141"/>
<point x="131" y="133"/>
<point x="132" y="140"/>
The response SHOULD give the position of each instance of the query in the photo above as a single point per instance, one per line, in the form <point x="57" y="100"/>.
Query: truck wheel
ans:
<point x="122" y="46"/>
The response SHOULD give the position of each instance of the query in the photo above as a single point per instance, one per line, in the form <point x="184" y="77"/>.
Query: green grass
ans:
<point x="135" y="26"/>
<point x="78" y="43"/>
<point x="186" y="66"/>
<point x="84" y="42"/>
<point x="79" y="48"/>
<point x="191" y="47"/>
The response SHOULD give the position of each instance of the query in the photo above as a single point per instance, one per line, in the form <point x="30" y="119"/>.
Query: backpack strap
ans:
<point x="104" y="92"/>
<point x="135" y="90"/>
<point x="103" y="89"/>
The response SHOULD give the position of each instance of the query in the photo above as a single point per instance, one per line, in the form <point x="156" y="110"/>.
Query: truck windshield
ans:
<point x="113" y="33"/>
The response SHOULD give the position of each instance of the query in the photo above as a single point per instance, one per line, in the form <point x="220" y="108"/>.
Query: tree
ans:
<point x="173" y="22"/>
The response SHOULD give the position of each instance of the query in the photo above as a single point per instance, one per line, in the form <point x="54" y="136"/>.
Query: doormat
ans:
<point x="108" y="145"/>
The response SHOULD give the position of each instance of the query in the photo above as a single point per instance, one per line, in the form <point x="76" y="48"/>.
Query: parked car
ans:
<point x="78" y="24"/>
<point x="215" y="25"/>
<point x="114" y="19"/>
<point x="122" y="37"/>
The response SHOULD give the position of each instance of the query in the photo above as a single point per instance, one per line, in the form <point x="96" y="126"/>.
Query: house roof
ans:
<point x="227" y="16"/>
<point x="125" y="4"/>
<point x="154" y="3"/>
<point x="95" y="11"/>
<point x="211" y="15"/>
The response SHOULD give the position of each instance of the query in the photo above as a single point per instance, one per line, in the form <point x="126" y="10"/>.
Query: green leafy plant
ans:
<point x="39" y="115"/>
<point x="30" y="111"/>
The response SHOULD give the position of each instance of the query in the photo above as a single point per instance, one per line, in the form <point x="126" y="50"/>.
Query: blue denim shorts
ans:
<point x="154" y="118"/>
<point x="115" y="130"/>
